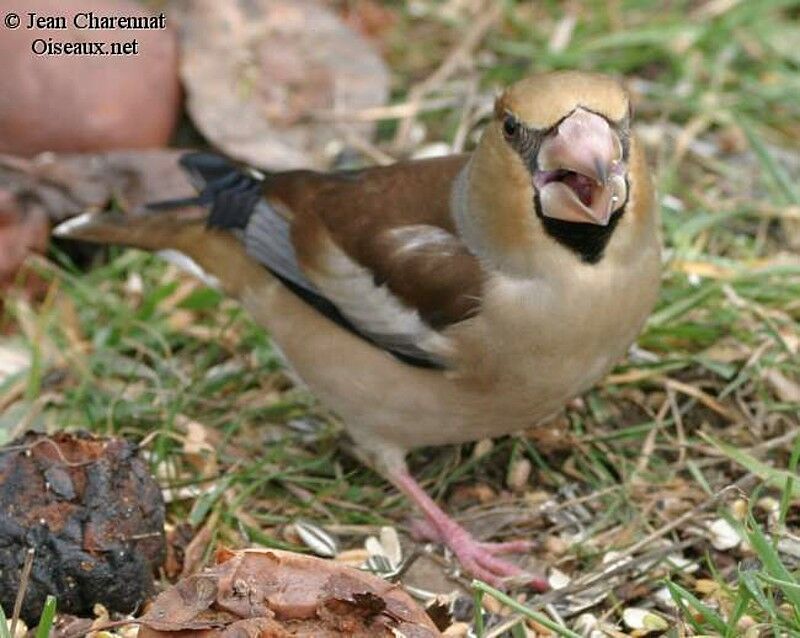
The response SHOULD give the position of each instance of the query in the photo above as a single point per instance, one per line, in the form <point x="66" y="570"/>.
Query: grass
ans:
<point x="43" y="628"/>
<point x="135" y="348"/>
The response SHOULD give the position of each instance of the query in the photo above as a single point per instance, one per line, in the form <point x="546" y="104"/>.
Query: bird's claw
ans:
<point x="481" y="561"/>
<point x="478" y="558"/>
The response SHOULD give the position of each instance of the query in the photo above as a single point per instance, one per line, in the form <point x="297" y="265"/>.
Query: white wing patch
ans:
<point x="421" y="238"/>
<point x="374" y="308"/>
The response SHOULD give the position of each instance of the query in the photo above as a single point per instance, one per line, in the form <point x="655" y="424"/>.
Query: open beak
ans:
<point x="580" y="175"/>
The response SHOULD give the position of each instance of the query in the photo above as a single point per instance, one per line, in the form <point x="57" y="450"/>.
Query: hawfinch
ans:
<point x="444" y="300"/>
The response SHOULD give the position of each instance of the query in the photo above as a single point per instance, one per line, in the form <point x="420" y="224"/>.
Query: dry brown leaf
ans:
<point x="273" y="593"/>
<point x="196" y="549"/>
<point x="785" y="388"/>
<point x="256" y="73"/>
<point x="21" y="231"/>
<point x="64" y="185"/>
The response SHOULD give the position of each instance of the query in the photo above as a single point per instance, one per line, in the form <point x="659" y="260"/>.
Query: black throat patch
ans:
<point x="588" y="241"/>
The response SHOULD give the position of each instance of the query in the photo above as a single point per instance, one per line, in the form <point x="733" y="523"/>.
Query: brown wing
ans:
<point x="394" y="222"/>
<point x="375" y="250"/>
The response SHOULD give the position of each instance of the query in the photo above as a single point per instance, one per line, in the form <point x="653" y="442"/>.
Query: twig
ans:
<point x="606" y="573"/>
<point x="467" y="118"/>
<point x="679" y="429"/>
<point x="23" y="588"/>
<point x="591" y="579"/>
<point x="687" y="516"/>
<point x="64" y="460"/>
<point x="388" y="112"/>
<point x="504" y="626"/>
<point x="364" y="146"/>
<point x="707" y="400"/>
<point x="490" y="13"/>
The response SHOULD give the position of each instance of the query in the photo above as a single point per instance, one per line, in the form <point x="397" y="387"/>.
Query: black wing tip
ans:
<point x="170" y="204"/>
<point x="230" y="191"/>
<point x="204" y="167"/>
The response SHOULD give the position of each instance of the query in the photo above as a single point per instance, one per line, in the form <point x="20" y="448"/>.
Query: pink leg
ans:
<point x="479" y="559"/>
<point x="423" y="530"/>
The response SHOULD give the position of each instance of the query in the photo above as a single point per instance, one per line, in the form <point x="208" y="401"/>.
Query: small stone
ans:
<point x="637" y="618"/>
<point x="558" y="579"/>
<point x="518" y="474"/>
<point x="682" y="563"/>
<point x="556" y="546"/>
<point x="723" y="535"/>
<point x="745" y="623"/>
<point x="457" y="630"/>
<point x="664" y="597"/>
<point x="482" y="448"/>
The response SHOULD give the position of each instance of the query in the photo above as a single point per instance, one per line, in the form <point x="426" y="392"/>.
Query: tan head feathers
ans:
<point x="540" y="101"/>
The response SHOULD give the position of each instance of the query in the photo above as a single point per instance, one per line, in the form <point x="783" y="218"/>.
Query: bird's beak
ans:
<point x="580" y="175"/>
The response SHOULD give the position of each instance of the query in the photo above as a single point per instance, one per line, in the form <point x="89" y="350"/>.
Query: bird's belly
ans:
<point x="525" y="364"/>
<point x="536" y="348"/>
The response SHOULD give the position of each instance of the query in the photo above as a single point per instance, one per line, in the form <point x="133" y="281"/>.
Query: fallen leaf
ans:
<point x="65" y="185"/>
<point x="786" y="390"/>
<point x="266" y="80"/>
<point x="267" y="592"/>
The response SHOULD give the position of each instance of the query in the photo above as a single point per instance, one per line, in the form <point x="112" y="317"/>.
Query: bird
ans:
<point x="443" y="300"/>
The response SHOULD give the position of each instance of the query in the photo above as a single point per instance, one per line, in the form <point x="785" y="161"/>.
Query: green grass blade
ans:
<point x="480" y="629"/>
<point x="771" y="561"/>
<point x="778" y="176"/>
<point x="543" y="620"/>
<point x="682" y="596"/>
<point x="773" y="477"/>
<point x="682" y="306"/>
<point x="46" y="619"/>
<point x="5" y="632"/>
<point x="783" y="585"/>
<point x="786" y="496"/>
<point x="748" y="580"/>
<point x="743" y="598"/>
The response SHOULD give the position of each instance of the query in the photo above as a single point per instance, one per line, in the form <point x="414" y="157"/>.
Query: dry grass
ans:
<point x="698" y="426"/>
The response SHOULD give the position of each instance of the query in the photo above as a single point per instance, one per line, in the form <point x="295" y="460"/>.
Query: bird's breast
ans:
<point x="539" y="342"/>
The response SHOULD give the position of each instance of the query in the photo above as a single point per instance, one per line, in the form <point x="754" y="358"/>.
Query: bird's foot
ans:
<point x="478" y="559"/>
<point x="422" y="530"/>
<point x="481" y="561"/>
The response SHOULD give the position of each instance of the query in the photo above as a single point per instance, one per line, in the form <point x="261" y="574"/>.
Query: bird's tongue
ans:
<point x="582" y="185"/>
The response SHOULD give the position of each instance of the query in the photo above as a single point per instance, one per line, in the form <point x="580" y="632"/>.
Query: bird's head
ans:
<point x="555" y="159"/>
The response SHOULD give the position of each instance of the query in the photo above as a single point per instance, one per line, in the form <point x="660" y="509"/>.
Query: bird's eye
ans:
<point x="510" y="126"/>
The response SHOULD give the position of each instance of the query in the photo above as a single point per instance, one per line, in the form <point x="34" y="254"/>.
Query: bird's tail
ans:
<point x="145" y="229"/>
<point x="179" y="228"/>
